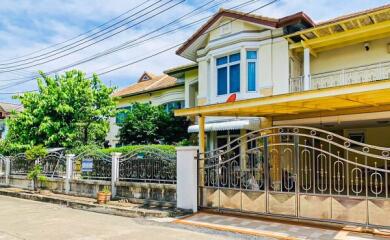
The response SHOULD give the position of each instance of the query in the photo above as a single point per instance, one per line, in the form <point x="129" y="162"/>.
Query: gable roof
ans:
<point x="142" y="86"/>
<point x="253" y="18"/>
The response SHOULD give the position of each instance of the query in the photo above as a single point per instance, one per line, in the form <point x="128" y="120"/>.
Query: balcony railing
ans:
<point x="296" y="84"/>
<point x="360" y="74"/>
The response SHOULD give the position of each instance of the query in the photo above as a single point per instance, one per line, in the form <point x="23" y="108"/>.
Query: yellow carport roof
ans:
<point x="349" y="99"/>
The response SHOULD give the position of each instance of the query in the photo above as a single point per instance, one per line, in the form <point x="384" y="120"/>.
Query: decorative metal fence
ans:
<point x="92" y="165"/>
<point x="53" y="165"/>
<point x="20" y="165"/>
<point x="148" y="165"/>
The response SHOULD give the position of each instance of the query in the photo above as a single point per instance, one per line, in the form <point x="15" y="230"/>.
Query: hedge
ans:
<point x="169" y="149"/>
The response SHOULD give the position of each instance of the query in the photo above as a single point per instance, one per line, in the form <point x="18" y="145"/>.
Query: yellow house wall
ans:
<point x="191" y="75"/>
<point x="377" y="136"/>
<point x="350" y="56"/>
<point x="236" y="26"/>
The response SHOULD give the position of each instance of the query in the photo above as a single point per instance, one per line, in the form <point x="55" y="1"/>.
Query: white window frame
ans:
<point x="227" y="65"/>
<point x="256" y="61"/>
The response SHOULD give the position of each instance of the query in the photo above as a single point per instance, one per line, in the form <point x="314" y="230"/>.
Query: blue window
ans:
<point x="251" y="57"/>
<point x="221" y="61"/>
<point x="234" y="57"/>
<point x="228" y="74"/>
<point x="234" y="78"/>
<point x="222" y="80"/>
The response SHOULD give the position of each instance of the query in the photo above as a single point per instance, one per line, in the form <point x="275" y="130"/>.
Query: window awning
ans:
<point x="249" y="124"/>
<point x="341" y="100"/>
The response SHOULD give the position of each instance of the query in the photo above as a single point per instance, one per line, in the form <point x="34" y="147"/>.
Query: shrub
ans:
<point x="8" y="148"/>
<point x="168" y="149"/>
<point x="36" y="152"/>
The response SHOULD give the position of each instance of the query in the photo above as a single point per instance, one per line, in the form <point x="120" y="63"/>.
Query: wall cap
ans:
<point x="187" y="148"/>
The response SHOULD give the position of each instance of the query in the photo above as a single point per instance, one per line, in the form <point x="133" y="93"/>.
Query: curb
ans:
<point x="92" y="207"/>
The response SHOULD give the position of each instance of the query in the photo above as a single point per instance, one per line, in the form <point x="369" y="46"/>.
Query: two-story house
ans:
<point x="5" y="111"/>
<point x="294" y="116"/>
<point x="167" y="89"/>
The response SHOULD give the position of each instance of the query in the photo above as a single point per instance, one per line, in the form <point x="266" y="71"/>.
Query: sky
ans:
<point x="41" y="32"/>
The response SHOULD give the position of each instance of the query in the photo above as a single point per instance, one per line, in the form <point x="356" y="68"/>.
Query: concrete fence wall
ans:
<point x="90" y="188"/>
<point x="184" y="193"/>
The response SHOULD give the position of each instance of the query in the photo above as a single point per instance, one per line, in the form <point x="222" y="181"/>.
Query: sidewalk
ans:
<point x="120" y="208"/>
<point x="274" y="229"/>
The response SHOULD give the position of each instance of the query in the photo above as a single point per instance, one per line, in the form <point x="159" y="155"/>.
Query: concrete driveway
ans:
<point x="25" y="219"/>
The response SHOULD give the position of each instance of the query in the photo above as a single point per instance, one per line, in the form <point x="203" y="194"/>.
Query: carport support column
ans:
<point x="202" y="149"/>
<point x="69" y="171"/>
<point x="187" y="176"/>
<point x="114" y="172"/>
<point x="306" y="69"/>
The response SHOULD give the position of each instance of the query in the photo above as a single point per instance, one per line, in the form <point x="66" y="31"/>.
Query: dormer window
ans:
<point x="228" y="74"/>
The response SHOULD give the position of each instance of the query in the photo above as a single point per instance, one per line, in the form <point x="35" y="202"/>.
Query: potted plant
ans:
<point x="104" y="196"/>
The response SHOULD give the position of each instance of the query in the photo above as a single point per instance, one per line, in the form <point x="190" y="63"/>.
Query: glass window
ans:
<point x="234" y="57"/>
<point x="228" y="74"/>
<point x="222" y="80"/>
<point x="251" y="54"/>
<point x="221" y="61"/>
<point x="122" y="114"/>
<point x="173" y="105"/>
<point x="235" y="78"/>
<point x="251" y="63"/>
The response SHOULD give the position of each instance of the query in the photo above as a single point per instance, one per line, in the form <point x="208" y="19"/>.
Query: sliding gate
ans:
<point x="298" y="172"/>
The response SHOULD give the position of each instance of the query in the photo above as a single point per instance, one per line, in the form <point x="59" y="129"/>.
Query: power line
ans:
<point x="73" y="38"/>
<point x="44" y="56"/>
<point x="127" y="46"/>
<point x="112" y="50"/>
<point x="159" y="52"/>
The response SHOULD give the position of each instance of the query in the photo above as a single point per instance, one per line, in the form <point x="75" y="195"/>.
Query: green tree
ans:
<point x="147" y="124"/>
<point x="68" y="110"/>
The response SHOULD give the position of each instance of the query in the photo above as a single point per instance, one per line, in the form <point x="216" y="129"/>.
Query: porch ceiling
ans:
<point x="352" y="99"/>
<point x="334" y="34"/>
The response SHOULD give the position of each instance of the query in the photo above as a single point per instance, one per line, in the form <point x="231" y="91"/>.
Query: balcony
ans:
<point x="347" y="76"/>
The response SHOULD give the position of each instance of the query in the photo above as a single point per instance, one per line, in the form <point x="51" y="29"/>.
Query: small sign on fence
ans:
<point x="87" y="165"/>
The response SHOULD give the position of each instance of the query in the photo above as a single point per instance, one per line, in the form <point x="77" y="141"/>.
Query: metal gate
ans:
<point x="298" y="172"/>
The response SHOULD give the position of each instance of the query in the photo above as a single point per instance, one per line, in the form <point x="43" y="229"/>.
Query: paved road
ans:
<point x="24" y="219"/>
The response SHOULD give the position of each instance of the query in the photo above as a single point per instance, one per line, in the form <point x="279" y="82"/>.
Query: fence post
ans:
<point x="187" y="178"/>
<point x="7" y="170"/>
<point x="69" y="171"/>
<point x="114" y="172"/>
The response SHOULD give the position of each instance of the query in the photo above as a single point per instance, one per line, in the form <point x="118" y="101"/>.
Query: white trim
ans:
<point x="249" y="124"/>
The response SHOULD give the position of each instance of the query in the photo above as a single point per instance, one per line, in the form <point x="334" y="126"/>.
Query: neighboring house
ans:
<point x="167" y="90"/>
<point x="303" y="87"/>
<point x="5" y="110"/>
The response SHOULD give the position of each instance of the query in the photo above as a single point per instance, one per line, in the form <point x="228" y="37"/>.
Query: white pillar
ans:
<point x="7" y="170"/>
<point x="187" y="175"/>
<point x="306" y="69"/>
<point x="114" y="172"/>
<point x="69" y="171"/>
